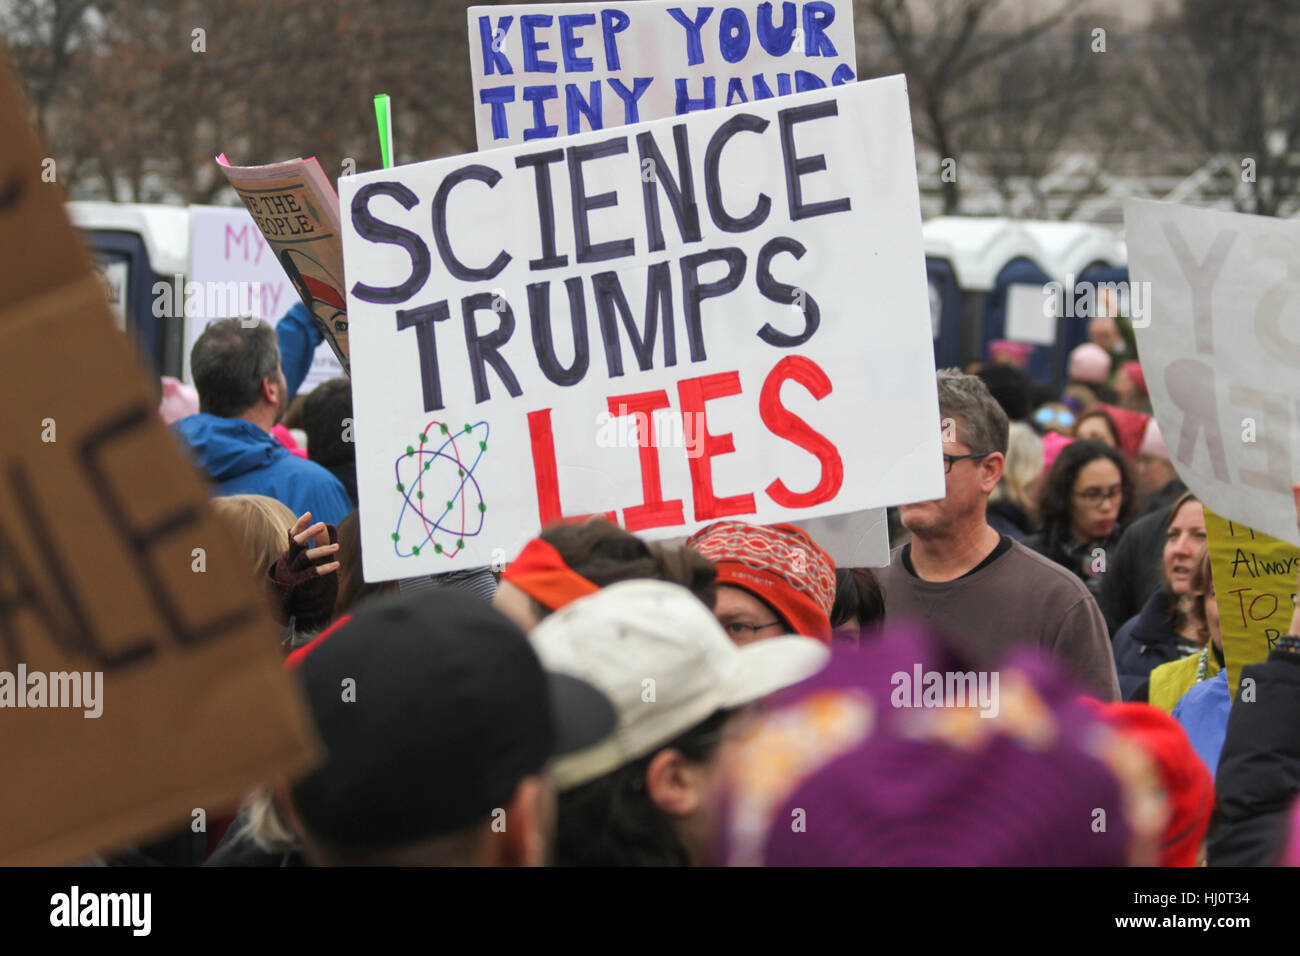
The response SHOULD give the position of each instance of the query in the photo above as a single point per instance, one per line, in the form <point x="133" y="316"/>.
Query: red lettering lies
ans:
<point x="546" y="472"/>
<point x="654" y="512"/>
<point x="783" y="423"/>
<point x="694" y="393"/>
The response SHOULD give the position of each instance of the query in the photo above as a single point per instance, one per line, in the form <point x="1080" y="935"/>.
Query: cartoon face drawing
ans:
<point x="319" y="291"/>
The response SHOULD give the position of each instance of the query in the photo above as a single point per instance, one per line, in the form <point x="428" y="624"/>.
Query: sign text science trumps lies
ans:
<point x="750" y="280"/>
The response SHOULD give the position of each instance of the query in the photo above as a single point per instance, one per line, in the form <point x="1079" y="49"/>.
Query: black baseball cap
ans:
<point x="447" y="709"/>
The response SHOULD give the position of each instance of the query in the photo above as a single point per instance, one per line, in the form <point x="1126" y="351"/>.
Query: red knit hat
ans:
<point x="1188" y="785"/>
<point x="1130" y="425"/>
<point x="1134" y="371"/>
<point x="779" y="564"/>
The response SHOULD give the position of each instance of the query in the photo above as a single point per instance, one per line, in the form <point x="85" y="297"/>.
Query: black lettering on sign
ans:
<point x="748" y="123"/>
<point x="479" y="173"/>
<point x="485" y="349"/>
<point x="680" y="190"/>
<point x="796" y="167"/>
<point x="541" y="163"/>
<point x="539" y="315"/>
<point x="426" y="342"/>
<point x="658" y="301"/>
<point x="140" y="540"/>
<point x="62" y="610"/>
<point x="695" y="292"/>
<point x="777" y="291"/>
<point x="584" y="204"/>
<point x="376" y="230"/>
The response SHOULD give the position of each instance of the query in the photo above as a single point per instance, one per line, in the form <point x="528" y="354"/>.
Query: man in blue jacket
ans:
<point x="299" y="338"/>
<point x="242" y="394"/>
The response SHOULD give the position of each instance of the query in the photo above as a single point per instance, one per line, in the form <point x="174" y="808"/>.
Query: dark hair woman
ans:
<point x="859" y="608"/>
<point x="1097" y="423"/>
<point x="1168" y="627"/>
<point x="615" y="820"/>
<point x="1085" y="502"/>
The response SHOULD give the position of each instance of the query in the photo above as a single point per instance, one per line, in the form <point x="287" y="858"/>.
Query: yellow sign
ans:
<point x="1255" y="586"/>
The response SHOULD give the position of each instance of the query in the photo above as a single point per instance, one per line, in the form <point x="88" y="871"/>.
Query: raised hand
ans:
<point x="302" y="533"/>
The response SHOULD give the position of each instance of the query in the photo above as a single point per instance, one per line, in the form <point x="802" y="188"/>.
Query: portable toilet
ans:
<point x="1078" y="253"/>
<point x="136" y="246"/>
<point x="945" y="303"/>
<point x="153" y="256"/>
<point x="1000" y="270"/>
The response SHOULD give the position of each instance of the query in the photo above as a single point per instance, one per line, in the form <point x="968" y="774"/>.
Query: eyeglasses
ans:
<point x="740" y="628"/>
<point x="1095" y="496"/>
<point x="949" y="460"/>
<point x="1054" y="417"/>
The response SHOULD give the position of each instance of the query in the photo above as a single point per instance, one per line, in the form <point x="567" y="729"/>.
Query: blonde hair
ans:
<point x="261" y="527"/>
<point x="266" y="827"/>
<point x="1024" y="464"/>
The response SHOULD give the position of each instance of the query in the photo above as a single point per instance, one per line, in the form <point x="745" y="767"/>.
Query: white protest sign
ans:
<point x="1030" y="316"/>
<point x="234" y="273"/>
<point x="659" y="59"/>
<point x="1220" y="350"/>
<point x="546" y="70"/>
<point x="754" y="305"/>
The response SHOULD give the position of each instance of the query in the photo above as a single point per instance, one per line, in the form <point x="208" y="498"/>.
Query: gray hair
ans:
<point x="229" y="362"/>
<point x="981" y="422"/>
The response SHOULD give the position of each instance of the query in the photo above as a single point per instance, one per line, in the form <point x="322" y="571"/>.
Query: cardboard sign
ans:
<point x="232" y="263"/>
<point x="1254" y="585"/>
<point x="134" y="689"/>
<point x="297" y="211"/>
<point x="1221" y="353"/>
<point x="557" y="69"/>
<point x="720" y="315"/>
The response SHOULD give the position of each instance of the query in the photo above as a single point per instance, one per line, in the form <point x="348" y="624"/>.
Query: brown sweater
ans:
<point x="1018" y="598"/>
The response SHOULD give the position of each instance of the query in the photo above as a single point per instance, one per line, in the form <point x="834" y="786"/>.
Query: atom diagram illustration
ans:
<point x="434" y="501"/>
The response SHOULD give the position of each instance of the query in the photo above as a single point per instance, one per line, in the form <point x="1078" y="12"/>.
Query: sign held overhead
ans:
<point x="751" y="280"/>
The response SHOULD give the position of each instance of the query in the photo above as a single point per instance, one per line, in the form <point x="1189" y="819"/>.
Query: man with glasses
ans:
<point x="983" y="591"/>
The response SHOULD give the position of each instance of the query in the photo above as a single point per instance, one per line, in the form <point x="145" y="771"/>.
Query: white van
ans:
<point x="137" y="245"/>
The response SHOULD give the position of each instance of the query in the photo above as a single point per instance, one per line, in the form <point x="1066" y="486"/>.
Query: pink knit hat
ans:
<point x="1089" y="364"/>
<point x="1134" y="371"/>
<point x="1053" y="442"/>
<point x="178" y="400"/>
<point x="1016" y="353"/>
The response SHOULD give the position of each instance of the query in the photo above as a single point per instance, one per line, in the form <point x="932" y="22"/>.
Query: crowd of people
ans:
<point x="737" y="698"/>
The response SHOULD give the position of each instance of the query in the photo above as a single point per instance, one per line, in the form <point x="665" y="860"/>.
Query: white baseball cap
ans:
<point x="666" y="664"/>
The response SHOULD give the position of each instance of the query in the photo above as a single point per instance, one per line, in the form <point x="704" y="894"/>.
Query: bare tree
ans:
<point x="44" y="36"/>
<point x="982" y="75"/>
<point x="1220" y="81"/>
<point x="142" y="106"/>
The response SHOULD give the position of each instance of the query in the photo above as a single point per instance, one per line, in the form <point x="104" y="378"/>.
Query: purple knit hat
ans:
<point x="852" y="768"/>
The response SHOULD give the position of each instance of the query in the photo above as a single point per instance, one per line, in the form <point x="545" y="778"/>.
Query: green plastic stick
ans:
<point x="383" y="118"/>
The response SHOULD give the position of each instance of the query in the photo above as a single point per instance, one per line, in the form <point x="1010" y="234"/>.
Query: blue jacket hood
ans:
<point x="226" y="448"/>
